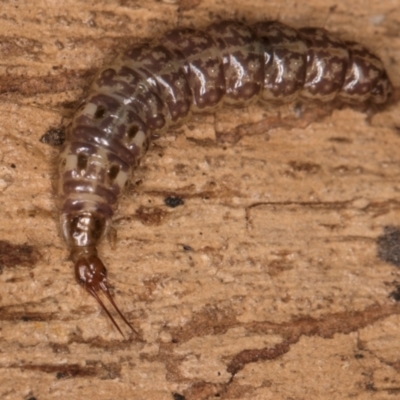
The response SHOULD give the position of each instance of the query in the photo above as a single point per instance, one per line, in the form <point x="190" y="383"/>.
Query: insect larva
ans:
<point x="158" y="85"/>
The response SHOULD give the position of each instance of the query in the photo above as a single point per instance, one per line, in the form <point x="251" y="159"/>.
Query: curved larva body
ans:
<point x="155" y="86"/>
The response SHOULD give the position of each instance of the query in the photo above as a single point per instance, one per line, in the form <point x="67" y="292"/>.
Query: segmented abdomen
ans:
<point x="152" y="87"/>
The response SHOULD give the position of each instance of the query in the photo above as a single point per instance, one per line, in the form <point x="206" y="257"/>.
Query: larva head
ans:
<point x="91" y="273"/>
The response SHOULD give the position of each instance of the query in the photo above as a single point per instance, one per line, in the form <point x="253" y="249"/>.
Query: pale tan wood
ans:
<point x="282" y="294"/>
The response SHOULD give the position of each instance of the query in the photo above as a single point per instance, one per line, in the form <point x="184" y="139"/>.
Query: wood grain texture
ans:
<point x="274" y="280"/>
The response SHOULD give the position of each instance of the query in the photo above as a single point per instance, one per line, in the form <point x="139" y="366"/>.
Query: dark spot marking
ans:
<point x="389" y="245"/>
<point x="59" y="348"/>
<point x="71" y="370"/>
<point x="187" y="5"/>
<point x="150" y="215"/>
<point x="345" y="170"/>
<point x="12" y="255"/>
<point x="178" y="396"/>
<point x="370" y="387"/>
<point x="100" y="112"/>
<point x="92" y="369"/>
<point x="10" y="314"/>
<point x="173" y="201"/>
<point x="187" y="247"/>
<point x="132" y="131"/>
<point x="113" y="172"/>
<point x="54" y="137"/>
<point x="253" y="355"/>
<point x="31" y="398"/>
<point x="309" y="168"/>
<point x="358" y="356"/>
<point x="82" y="162"/>
<point x="13" y="165"/>
<point x="339" y="139"/>
<point x="395" y="295"/>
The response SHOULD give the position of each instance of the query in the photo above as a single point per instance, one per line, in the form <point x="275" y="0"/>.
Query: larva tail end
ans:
<point x="91" y="273"/>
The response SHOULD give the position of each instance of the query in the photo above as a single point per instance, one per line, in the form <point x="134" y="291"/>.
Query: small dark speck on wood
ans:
<point x="173" y="201"/>
<point x="389" y="245"/>
<point x="177" y="396"/>
<point x="54" y="137"/>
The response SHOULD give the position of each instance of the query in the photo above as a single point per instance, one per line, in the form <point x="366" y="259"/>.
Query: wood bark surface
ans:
<point x="276" y="279"/>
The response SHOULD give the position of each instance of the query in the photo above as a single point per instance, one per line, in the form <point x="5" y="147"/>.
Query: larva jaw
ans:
<point x="91" y="273"/>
